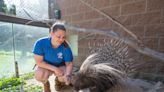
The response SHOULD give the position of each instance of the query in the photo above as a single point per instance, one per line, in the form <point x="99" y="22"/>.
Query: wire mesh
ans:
<point x="29" y="9"/>
<point x="19" y="49"/>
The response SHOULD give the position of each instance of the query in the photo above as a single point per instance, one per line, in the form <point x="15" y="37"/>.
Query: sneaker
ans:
<point x="59" y="85"/>
<point x="47" y="87"/>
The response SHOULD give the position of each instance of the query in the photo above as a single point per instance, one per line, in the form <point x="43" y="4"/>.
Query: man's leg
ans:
<point x="42" y="75"/>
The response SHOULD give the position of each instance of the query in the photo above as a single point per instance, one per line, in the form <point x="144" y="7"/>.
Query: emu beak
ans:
<point x="85" y="90"/>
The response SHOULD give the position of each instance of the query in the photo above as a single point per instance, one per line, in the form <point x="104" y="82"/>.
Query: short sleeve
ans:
<point x="68" y="57"/>
<point x="38" y="48"/>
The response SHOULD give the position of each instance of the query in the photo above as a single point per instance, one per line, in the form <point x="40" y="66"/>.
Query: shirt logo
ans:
<point x="60" y="55"/>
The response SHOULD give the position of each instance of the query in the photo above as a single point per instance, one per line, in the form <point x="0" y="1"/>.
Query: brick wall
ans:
<point x="145" y="18"/>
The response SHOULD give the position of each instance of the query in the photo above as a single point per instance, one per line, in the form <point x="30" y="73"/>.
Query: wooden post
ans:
<point x="15" y="62"/>
<point x="16" y="69"/>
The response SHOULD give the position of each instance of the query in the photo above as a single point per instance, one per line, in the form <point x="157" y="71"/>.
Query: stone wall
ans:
<point x="145" y="18"/>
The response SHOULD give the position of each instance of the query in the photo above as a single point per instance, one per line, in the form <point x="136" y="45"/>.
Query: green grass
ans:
<point x="25" y="88"/>
<point x="7" y="66"/>
<point x="7" y="71"/>
<point x="13" y="84"/>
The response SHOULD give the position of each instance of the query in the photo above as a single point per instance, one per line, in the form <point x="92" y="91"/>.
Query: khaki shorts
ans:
<point x="42" y="74"/>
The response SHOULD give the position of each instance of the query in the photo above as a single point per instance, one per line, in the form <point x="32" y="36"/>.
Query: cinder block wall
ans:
<point x="145" y="18"/>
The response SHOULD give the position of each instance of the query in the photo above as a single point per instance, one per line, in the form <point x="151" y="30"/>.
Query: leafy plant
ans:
<point x="14" y="84"/>
<point x="29" y="88"/>
<point x="28" y="76"/>
<point x="8" y="82"/>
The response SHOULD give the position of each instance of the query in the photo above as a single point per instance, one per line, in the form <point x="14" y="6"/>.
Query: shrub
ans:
<point x="8" y="82"/>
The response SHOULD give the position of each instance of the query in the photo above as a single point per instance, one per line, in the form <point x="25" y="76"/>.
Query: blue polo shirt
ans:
<point x="53" y="56"/>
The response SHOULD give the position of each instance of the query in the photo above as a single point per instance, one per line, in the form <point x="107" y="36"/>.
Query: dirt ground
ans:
<point x="154" y="87"/>
<point x="51" y="79"/>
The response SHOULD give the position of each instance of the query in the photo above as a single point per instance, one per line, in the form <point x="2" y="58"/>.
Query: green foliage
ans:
<point x="28" y="76"/>
<point x="8" y="82"/>
<point x="17" y="84"/>
<point x="12" y="88"/>
<point x="29" y="88"/>
<point x="25" y="64"/>
<point x="4" y="8"/>
<point x="33" y="88"/>
<point x="12" y="9"/>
